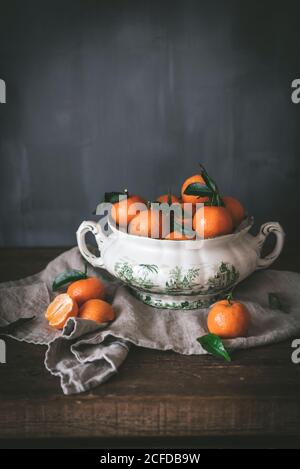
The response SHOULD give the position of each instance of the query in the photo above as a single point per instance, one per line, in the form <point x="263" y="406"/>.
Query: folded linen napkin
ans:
<point x="85" y="354"/>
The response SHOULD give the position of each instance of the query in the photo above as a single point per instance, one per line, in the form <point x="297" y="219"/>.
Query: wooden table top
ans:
<point x="155" y="394"/>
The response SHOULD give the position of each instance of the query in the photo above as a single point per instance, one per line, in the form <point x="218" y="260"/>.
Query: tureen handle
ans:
<point x="95" y="228"/>
<point x="265" y="230"/>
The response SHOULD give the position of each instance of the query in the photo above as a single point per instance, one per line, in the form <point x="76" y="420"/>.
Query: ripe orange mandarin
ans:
<point x="210" y="221"/>
<point x="97" y="310"/>
<point x="235" y="209"/>
<point x="124" y="211"/>
<point x="86" y="289"/>
<point x="150" y="223"/>
<point x="228" y="319"/>
<point x="192" y="198"/>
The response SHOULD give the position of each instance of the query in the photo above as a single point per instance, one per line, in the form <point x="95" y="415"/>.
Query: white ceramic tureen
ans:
<point x="180" y="274"/>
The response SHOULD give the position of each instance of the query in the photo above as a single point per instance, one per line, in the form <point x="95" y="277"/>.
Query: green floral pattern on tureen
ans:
<point x="179" y="281"/>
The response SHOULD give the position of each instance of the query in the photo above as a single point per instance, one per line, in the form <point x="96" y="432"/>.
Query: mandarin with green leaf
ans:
<point x="196" y="178"/>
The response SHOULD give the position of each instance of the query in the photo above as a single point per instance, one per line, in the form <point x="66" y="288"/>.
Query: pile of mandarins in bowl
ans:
<point x="200" y="212"/>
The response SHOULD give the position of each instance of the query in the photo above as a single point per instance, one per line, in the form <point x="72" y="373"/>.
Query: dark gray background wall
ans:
<point x="103" y="95"/>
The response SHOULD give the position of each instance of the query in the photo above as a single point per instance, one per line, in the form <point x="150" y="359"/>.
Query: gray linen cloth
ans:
<point x="86" y="354"/>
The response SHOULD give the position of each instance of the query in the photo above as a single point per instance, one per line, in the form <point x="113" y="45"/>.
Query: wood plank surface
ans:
<point x="155" y="394"/>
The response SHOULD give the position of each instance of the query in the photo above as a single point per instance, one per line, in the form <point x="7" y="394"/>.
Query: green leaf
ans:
<point x="208" y="180"/>
<point x="274" y="301"/>
<point x="213" y="200"/>
<point x="214" y="345"/>
<point x="198" y="189"/>
<point x="216" y="199"/>
<point x="66" y="277"/>
<point x="109" y="198"/>
<point x="220" y="201"/>
<point x="113" y="197"/>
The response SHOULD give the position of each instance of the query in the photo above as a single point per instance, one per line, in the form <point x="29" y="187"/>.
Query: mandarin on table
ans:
<point x="125" y="210"/>
<point x="235" y="209"/>
<point x="211" y="221"/>
<point x="60" y="310"/>
<point x="228" y="319"/>
<point x="86" y="289"/>
<point x="97" y="310"/>
<point x="192" y="198"/>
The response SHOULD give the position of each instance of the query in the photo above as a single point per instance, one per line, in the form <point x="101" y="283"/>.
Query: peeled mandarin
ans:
<point x="60" y="310"/>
